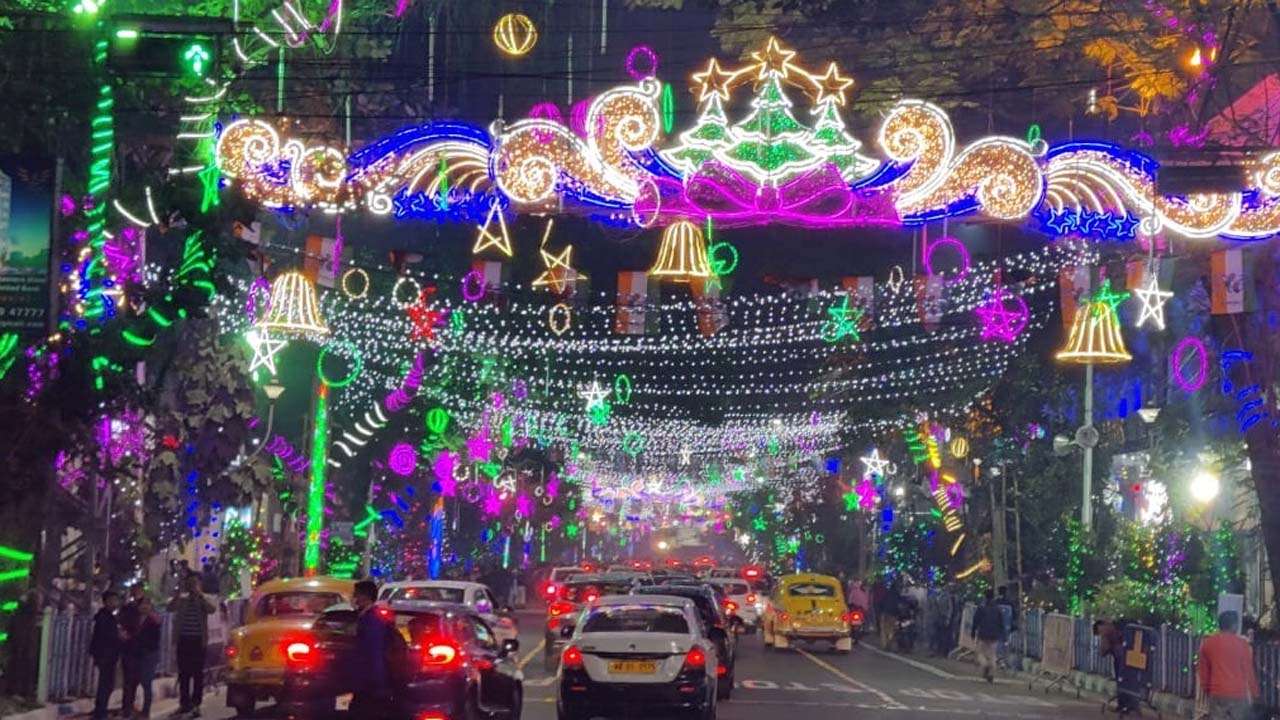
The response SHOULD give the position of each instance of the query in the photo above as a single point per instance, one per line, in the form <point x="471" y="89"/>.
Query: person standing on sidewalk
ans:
<point x="143" y="653"/>
<point x="130" y="619"/>
<point x="1226" y="673"/>
<point x="104" y="648"/>
<point x="988" y="628"/>
<point x="191" y="611"/>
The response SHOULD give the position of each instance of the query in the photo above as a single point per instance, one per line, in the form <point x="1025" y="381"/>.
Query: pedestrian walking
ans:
<point x="130" y="621"/>
<point x="104" y="648"/>
<point x="371" y="678"/>
<point x="142" y="654"/>
<point x="887" y="616"/>
<point x="191" y="611"/>
<point x="1226" y="671"/>
<point x="988" y="629"/>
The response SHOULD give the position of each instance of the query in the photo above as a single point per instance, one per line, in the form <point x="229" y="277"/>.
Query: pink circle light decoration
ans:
<point x="578" y="116"/>
<point x="948" y="241"/>
<point x="642" y="62"/>
<point x="1189" y="346"/>
<point x="402" y="459"/>
<point x="473" y="286"/>
<point x="546" y="111"/>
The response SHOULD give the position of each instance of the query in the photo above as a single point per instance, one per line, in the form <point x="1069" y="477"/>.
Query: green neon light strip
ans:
<point x="8" y="575"/>
<point x="9" y="553"/>
<point x="315" y="494"/>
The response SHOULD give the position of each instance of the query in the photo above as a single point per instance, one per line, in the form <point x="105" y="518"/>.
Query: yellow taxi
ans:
<point x="807" y="607"/>
<point x="280" y="612"/>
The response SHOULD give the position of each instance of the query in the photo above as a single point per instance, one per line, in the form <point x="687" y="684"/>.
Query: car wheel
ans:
<point x="564" y="714"/>
<point x="724" y="688"/>
<point x="472" y="709"/>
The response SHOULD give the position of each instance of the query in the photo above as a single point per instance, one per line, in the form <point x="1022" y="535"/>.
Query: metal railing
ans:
<point x="69" y="672"/>
<point x="1173" y="656"/>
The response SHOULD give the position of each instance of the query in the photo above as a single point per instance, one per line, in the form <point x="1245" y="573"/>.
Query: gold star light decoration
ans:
<point x="486" y="237"/>
<point x="715" y="80"/>
<point x="559" y="273"/>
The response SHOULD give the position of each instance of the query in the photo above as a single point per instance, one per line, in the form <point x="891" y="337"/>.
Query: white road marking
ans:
<point x="540" y="682"/>
<point x="887" y="698"/>
<point x="932" y="670"/>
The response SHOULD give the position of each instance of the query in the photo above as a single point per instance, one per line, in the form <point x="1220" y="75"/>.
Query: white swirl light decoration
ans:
<point x="1267" y="177"/>
<point x="536" y="157"/>
<point x="921" y="133"/>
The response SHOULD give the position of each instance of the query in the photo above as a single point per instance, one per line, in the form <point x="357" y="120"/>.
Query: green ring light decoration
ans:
<point x="357" y="363"/>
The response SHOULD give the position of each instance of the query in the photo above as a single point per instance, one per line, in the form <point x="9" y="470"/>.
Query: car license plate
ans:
<point x="633" y="667"/>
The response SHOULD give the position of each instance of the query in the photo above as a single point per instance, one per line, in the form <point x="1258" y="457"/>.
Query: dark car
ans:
<point x="570" y="597"/>
<point x="443" y="659"/>
<point x="711" y="611"/>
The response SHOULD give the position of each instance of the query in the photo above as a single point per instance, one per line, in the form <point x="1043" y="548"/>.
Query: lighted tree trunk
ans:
<point x="1255" y="334"/>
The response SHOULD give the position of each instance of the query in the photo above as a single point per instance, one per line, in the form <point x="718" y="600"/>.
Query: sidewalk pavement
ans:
<point x="1031" y="673"/>
<point x="164" y="703"/>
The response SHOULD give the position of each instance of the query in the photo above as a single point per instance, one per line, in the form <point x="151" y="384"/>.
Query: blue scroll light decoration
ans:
<point x="1252" y="399"/>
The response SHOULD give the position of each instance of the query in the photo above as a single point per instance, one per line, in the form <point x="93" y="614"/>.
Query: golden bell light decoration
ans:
<point x="294" y="309"/>
<point x="515" y="34"/>
<point x="682" y="257"/>
<point x="1095" y="331"/>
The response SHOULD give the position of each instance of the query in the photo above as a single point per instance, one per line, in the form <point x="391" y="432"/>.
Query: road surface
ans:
<point x="818" y="685"/>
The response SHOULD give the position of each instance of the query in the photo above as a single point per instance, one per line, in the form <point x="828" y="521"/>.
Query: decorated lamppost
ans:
<point x="1095" y="339"/>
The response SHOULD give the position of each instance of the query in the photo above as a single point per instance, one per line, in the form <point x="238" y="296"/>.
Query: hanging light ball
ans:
<point x="294" y="309"/>
<point x="515" y="34"/>
<point x="682" y="257"/>
<point x="959" y="447"/>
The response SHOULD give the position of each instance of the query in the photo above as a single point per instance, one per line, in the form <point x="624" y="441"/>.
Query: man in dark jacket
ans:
<point x="191" y="611"/>
<point x="988" y="629"/>
<point x="104" y="648"/>
<point x="371" y="698"/>
<point x="130" y="621"/>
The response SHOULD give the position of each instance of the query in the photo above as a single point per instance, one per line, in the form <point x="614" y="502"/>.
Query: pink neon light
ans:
<point x="258" y="288"/>
<point x="578" y="116"/>
<point x="473" y="286"/>
<point x="642" y="62"/>
<point x="402" y="459"/>
<point x="1177" y="357"/>
<point x="819" y="198"/>
<point x="999" y="320"/>
<point x="949" y="241"/>
<point x="547" y="111"/>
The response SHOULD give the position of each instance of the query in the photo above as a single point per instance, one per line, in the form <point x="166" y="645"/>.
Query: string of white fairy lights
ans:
<point x="897" y="359"/>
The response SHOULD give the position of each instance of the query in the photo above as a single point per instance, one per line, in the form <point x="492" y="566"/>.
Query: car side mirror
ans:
<point x="566" y="631"/>
<point x="510" y="646"/>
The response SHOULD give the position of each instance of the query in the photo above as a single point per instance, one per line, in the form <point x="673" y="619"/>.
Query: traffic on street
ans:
<point x="623" y="643"/>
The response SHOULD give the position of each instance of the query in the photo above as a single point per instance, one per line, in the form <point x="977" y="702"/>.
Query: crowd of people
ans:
<point x="126" y="640"/>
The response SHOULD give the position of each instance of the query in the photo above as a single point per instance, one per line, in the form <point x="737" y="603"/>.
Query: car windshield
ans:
<point x="429" y="593"/>
<point x="735" y="588"/>
<point x="636" y="618"/>
<point x="588" y="591"/>
<point x="809" y="590"/>
<point x="296" y="603"/>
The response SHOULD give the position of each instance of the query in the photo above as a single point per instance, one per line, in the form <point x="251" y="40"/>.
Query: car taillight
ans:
<point x="299" y="652"/>
<point x="571" y="659"/>
<point x="549" y="590"/>
<point x="721" y="670"/>
<point x="853" y="617"/>
<point x="751" y="599"/>
<point x="231" y="651"/>
<point x="730" y="606"/>
<point x="560" y="607"/>
<point x="751" y="573"/>
<point x="784" y="617"/>
<point x="695" y="659"/>
<point x="441" y="654"/>
<point x="592" y="597"/>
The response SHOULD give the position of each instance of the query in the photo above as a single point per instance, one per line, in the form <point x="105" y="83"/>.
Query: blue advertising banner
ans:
<point x="26" y="212"/>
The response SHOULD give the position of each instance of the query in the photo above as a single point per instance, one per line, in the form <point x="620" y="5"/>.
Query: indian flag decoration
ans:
<point x="770" y="145"/>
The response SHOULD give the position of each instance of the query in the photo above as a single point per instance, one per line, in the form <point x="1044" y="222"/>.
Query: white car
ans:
<point x="747" y="604"/>
<point x="557" y="578"/>
<point x="633" y="652"/>
<point x="477" y="596"/>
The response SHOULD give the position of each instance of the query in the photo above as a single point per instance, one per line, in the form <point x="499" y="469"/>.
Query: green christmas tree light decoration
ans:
<point x="771" y="143"/>
<point x="709" y="135"/>
<point x="841" y="149"/>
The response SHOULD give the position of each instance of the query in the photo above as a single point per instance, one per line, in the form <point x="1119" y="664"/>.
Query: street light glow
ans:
<point x="1205" y="486"/>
